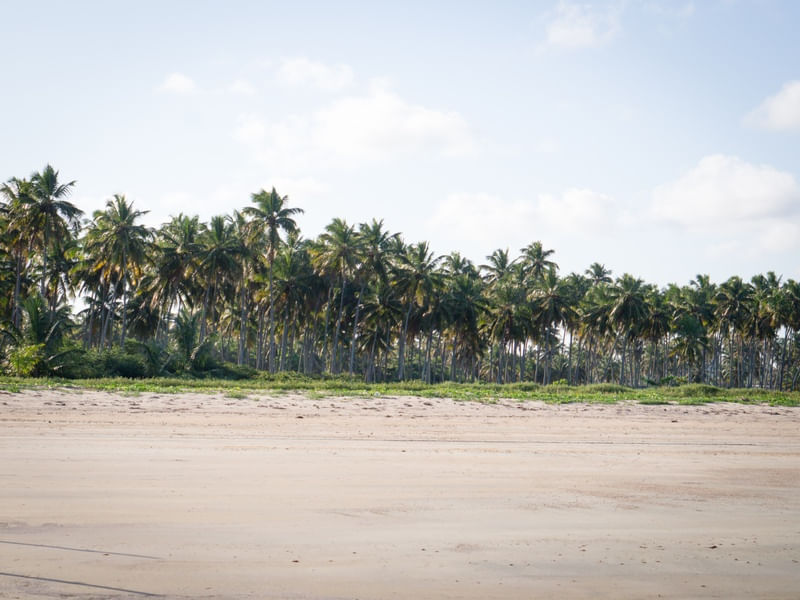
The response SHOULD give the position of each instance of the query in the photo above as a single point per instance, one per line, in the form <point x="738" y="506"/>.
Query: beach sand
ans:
<point x="207" y="496"/>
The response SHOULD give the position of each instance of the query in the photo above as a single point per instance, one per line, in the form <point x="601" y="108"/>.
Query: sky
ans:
<point x="660" y="138"/>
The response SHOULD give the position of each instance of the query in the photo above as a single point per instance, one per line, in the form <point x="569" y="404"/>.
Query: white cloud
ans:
<point x="490" y="220"/>
<point x="573" y="26"/>
<point x="357" y="130"/>
<point x="579" y="211"/>
<point x="726" y="189"/>
<point x="672" y="9"/>
<point x="384" y="123"/>
<point x="735" y="203"/>
<point x="780" y="112"/>
<point x="304" y="72"/>
<point x="178" y="83"/>
<point x="482" y="218"/>
<point x="298" y="187"/>
<point x="240" y="86"/>
<point x="250" y="129"/>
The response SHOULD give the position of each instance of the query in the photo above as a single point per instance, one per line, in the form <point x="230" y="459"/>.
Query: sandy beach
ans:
<point x="208" y="496"/>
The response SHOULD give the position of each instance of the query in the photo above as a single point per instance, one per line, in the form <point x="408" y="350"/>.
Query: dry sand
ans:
<point x="205" y="496"/>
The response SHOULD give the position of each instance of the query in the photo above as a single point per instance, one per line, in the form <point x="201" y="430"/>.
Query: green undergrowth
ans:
<point x="342" y="386"/>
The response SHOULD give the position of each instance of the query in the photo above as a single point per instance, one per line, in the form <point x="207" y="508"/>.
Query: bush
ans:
<point x="693" y="390"/>
<point x="672" y="381"/>
<point x="26" y="360"/>
<point x="230" y="371"/>
<point x="606" y="388"/>
<point x="118" y="363"/>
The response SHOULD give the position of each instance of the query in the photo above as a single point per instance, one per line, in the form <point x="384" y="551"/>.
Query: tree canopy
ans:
<point x="246" y="289"/>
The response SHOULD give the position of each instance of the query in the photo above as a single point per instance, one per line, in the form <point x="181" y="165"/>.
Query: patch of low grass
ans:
<point x="343" y="386"/>
<point x="695" y="401"/>
<point x="693" y="390"/>
<point x="606" y="388"/>
<point x="653" y="401"/>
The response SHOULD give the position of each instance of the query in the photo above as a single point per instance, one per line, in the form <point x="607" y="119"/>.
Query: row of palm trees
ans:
<point x="361" y="300"/>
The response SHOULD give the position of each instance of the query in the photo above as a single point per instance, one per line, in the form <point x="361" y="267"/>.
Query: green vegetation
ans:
<point x="358" y="310"/>
<point x="321" y="387"/>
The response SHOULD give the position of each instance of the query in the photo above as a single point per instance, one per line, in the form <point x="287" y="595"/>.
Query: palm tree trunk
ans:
<point x="43" y="284"/>
<point x="355" y="330"/>
<point x="783" y="358"/>
<point x="271" y="362"/>
<point x="283" y="337"/>
<point x="336" y="354"/>
<point x="260" y="336"/>
<point x="401" y="345"/>
<point x="124" y="299"/>
<point x="203" y="317"/>
<point x="453" y="360"/>
<point x="442" y="356"/>
<point x="242" y="323"/>
<point x="569" y="359"/>
<point x="427" y="368"/>
<point x="16" y="313"/>
<point x="369" y="373"/>
<point x="385" y="369"/>
<point x="109" y="320"/>
<point x="327" y="321"/>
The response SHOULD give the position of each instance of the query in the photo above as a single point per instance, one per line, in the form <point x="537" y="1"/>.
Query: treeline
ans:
<point x="245" y="293"/>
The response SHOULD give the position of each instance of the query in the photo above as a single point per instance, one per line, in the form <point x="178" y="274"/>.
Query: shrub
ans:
<point x="606" y="388"/>
<point x="673" y="381"/>
<point x="118" y="363"/>
<point x="26" y="359"/>
<point x="693" y="390"/>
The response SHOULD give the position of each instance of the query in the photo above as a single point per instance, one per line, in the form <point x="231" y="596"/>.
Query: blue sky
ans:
<point x="657" y="137"/>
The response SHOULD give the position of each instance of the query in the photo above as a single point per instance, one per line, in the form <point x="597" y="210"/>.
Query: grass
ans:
<point x="321" y="387"/>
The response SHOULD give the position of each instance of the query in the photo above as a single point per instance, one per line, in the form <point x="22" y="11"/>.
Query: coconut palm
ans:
<point x="218" y="253"/>
<point x="339" y="251"/>
<point x="49" y="213"/>
<point x="536" y="260"/>
<point x="116" y="239"/>
<point x="598" y="274"/>
<point x="733" y="311"/>
<point x="627" y="312"/>
<point x="498" y="266"/>
<point x="18" y="240"/>
<point x="272" y="214"/>
<point x="416" y="277"/>
<point x="551" y="307"/>
<point x="373" y="264"/>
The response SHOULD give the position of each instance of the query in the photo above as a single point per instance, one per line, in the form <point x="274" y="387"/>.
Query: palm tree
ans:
<point x="272" y="214"/>
<point x="466" y="304"/>
<point x="498" y="266"/>
<point x="382" y="311"/>
<point x="51" y="214"/>
<point x="733" y="310"/>
<point x="374" y="241"/>
<point x="551" y="308"/>
<point x="17" y="234"/>
<point x="218" y="253"/>
<point x="247" y="245"/>
<point x="176" y="263"/>
<point x="339" y="251"/>
<point x="789" y="307"/>
<point x="536" y="260"/>
<point x="598" y="274"/>
<point x="627" y="312"/>
<point x="115" y="236"/>
<point x="416" y="276"/>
